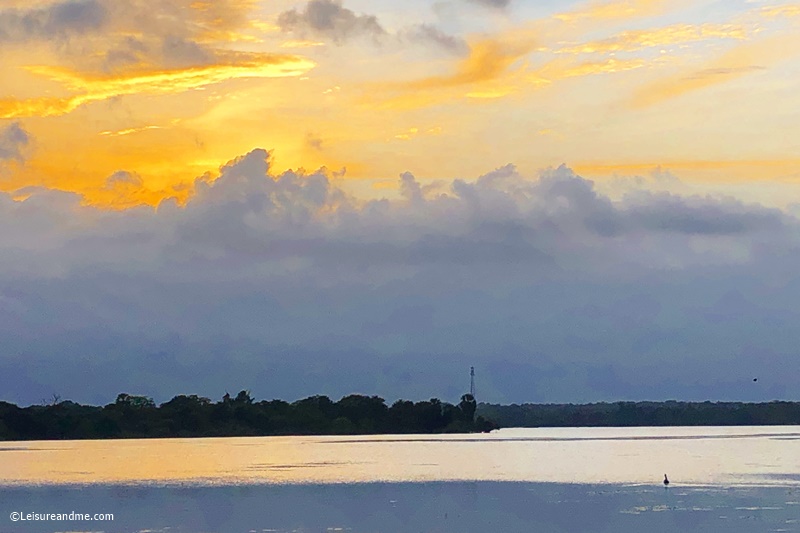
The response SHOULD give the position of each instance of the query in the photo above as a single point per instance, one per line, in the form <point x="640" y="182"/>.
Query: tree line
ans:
<point x="624" y="414"/>
<point x="132" y="416"/>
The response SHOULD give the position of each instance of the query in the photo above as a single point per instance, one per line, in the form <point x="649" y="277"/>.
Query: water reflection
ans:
<point x="691" y="456"/>
<point x="431" y="507"/>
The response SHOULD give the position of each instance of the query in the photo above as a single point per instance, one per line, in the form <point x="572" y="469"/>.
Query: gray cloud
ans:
<point x="13" y="142"/>
<point x="55" y="21"/>
<point x="104" y="35"/>
<point x="286" y="285"/>
<point x="717" y="72"/>
<point x="667" y="212"/>
<point x="499" y="4"/>
<point x="123" y="178"/>
<point x="330" y="19"/>
<point x="426" y="33"/>
<point x="314" y="142"/>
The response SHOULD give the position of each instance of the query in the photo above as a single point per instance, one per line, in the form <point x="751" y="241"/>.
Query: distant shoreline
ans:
<point x="639" y="414"/>
<point x="132" y="416"/>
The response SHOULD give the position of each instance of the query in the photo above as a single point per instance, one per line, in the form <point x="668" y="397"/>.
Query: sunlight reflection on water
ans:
<point x="719" y="456"/>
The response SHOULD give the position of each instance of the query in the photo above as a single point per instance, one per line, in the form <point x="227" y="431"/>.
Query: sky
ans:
<point x="585" y="200"/>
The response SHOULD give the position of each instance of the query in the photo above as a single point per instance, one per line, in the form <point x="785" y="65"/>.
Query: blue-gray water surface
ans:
<point x="548" y="480"/>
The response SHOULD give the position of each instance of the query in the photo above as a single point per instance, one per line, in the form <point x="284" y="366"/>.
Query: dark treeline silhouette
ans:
<point x="194" y="416"/>
<point x="133" y="416"/>
<point x="670" y="413"/>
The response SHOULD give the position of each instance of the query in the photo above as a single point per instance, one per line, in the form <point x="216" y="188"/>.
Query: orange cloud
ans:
<point x="414" y="132"/>
<point x="128" y="131"/>
<point x="620" y="9"/>
<point x="786" y="10"/>
<point x="488" y="59"/>
<point x="486" y="69"/>
<point x="775" y="165"/>
<point x="301" y="44"/>
<point x="126" y="197"/>
<point x="97" y="88"/>
<point x="493" y="78"/>
<point x="489" y="67"/>
<point x="676" y="34"/>
<point x="493" y="92"/>
<point x="742" y="60"/>
<point x="601" y="67"/>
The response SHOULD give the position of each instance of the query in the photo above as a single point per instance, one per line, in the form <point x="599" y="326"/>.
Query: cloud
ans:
<point x="410" y="188"/>
<point x="123" y="178"/>
<point x="488" y="60"/>
<point x="785" y="10"/>
<point x="673" y="87"/>
<point x="698" y="216"/>
<point x="412" y="133"/>
<point x="597" y="67"/>
<point x="130" y="131"/>
<point x="500" y="65"/>
<point x="55" y="21"/>
<point x="426" y="33"/>
<point x="500" y="4"/>
<point x="495" y="68"/>
<point x="85" y="18"/>
<point x="301" y="44"/>
<point x="328" y="18"/>
<point x="615" y="10"/>
<point x="314" y="141"/>
<point x="100" y="36"/>
<point x="13" y="141"/>
<point x="633" y="40"/>
<point x="744" y="59"/>
<point x="97" y="88"/>
<point x="285" y="284"/>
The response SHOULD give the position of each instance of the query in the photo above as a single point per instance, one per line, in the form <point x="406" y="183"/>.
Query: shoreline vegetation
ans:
<point x="131" y="416"/>
<point x="632" y="414"/>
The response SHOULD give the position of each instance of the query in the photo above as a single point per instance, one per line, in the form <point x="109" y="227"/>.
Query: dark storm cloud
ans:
<point x="286" y="285"/>
<point x="328" y="18"/>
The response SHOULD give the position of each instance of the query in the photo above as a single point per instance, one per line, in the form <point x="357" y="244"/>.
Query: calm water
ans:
<point x="565" y="479"/>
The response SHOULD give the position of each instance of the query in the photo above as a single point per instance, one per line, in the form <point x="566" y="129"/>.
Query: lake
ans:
<point x="548" y="479"/>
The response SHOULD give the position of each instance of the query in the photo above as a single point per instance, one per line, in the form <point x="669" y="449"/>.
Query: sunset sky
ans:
<point x="569" y="194"/>
<point x="169" y="90"/>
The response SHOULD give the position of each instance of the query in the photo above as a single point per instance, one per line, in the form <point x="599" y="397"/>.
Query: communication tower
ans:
<point x="472" y="381"/>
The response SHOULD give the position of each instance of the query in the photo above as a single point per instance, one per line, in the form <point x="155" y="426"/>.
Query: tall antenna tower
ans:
<point x="472" y="381"/>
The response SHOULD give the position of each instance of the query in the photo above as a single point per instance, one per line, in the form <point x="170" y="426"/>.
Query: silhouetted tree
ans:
<point x="402" y="417"/>
<point x="136" y="402"/>
<point x="191" y="415"/>
<point x="367" y="413"/>
<point x="468" y="405"/>
<point x="243" y="397"/>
